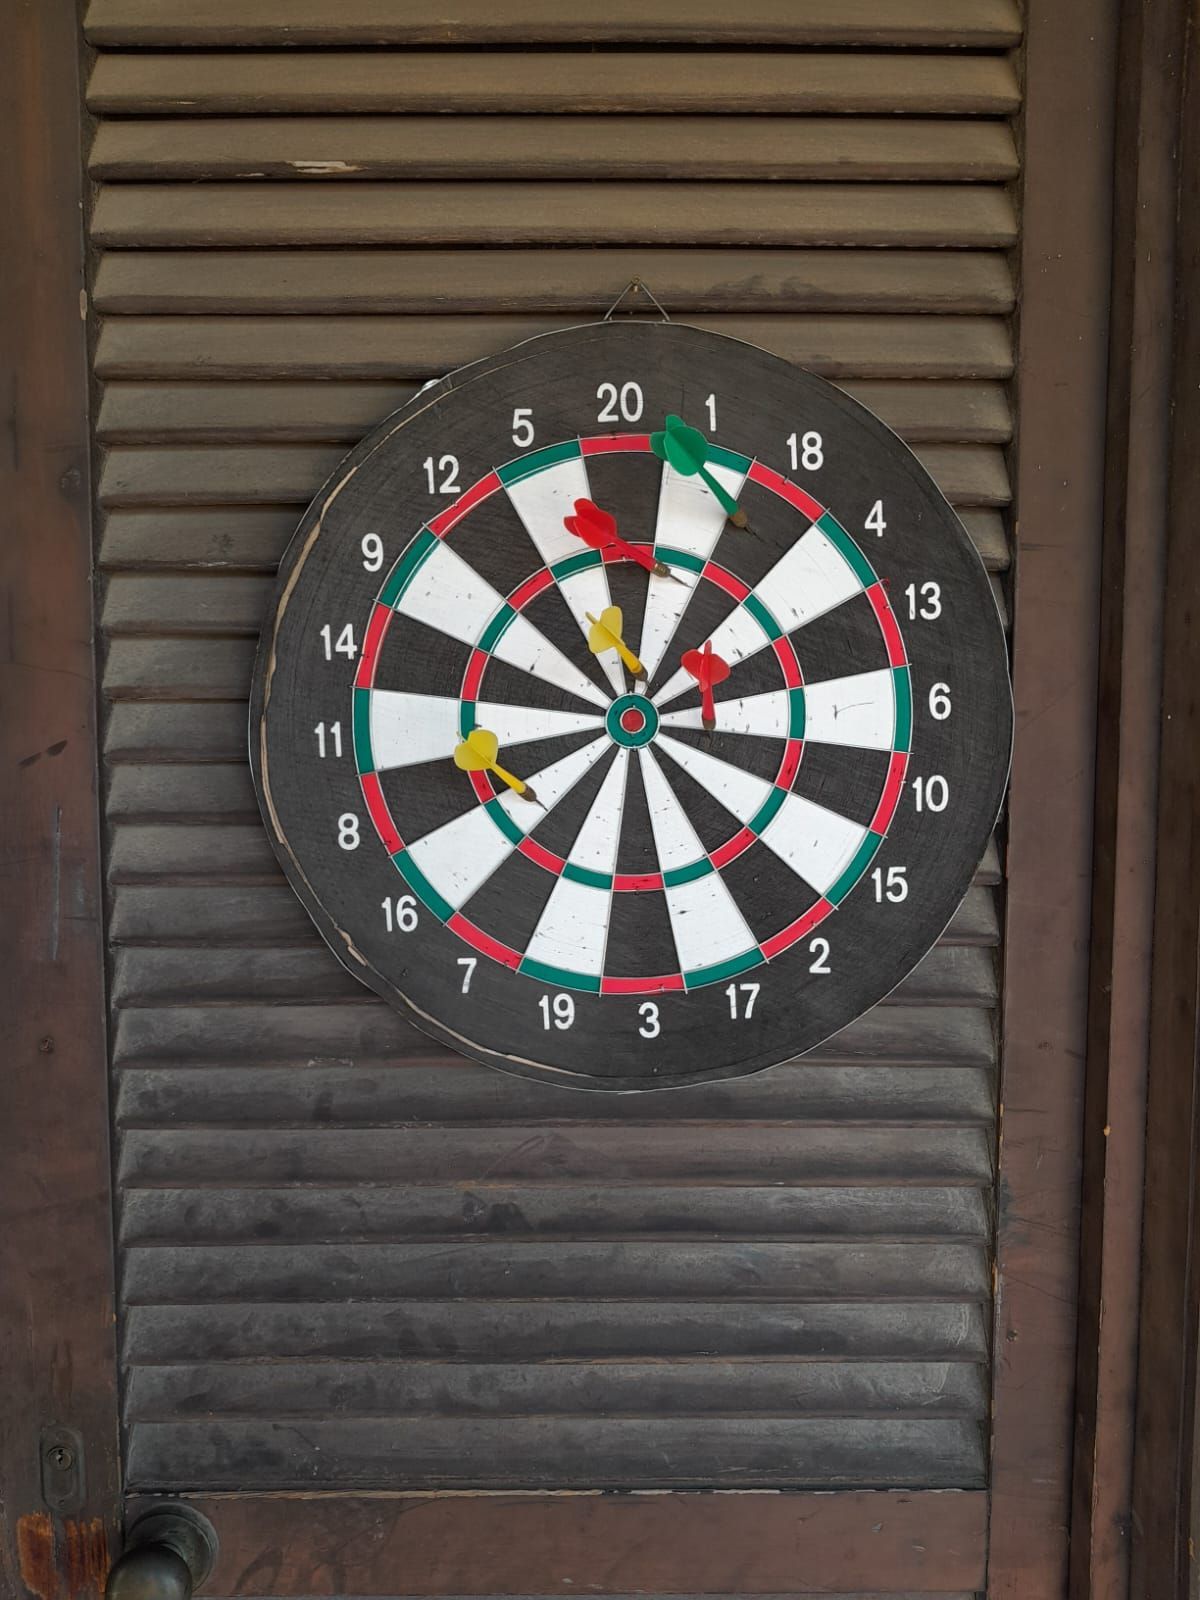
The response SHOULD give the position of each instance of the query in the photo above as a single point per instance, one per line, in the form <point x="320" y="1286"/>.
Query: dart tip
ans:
<point x="528" y="794"/>
<point x="739" y="519"/>
<point x="708" y="723"/>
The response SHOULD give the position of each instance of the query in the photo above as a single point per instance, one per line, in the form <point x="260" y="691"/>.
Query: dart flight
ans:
<point x="686" y="450"/>
<point x="708" y="670"/>
<point x="605" y="634"/>
<point x="598" y="529"/>
<point x="478" y="752"/>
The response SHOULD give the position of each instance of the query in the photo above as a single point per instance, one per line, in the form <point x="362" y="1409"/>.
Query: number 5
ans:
<point x="522" y="426"/>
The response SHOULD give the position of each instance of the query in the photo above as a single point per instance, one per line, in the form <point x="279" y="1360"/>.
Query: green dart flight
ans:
<point x="686" y="449"/>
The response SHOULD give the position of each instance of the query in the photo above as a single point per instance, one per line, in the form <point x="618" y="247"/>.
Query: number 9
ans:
<point x="372" y="549"/>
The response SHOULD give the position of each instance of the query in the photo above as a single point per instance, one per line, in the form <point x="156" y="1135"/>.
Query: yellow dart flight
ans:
<point x="605" y="634"/>
<point x="478" y="752"/>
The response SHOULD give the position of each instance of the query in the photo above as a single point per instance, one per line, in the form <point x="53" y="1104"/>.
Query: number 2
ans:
<point x="819" y="950"/>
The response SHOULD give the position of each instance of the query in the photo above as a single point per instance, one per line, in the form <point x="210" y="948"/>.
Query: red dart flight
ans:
<point x="598" y="529"/>
<point x="708" y="670"/>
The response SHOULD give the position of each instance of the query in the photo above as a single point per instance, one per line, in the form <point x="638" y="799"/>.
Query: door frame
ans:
<point x="59" y="1461"/>
<point x="57" y="1344"/>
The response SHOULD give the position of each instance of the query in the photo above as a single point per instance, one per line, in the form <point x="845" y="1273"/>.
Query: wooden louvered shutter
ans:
<point x="351" y="1264"/>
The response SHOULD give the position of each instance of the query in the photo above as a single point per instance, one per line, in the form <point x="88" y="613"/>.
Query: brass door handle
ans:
<point x="168" y="1554"/>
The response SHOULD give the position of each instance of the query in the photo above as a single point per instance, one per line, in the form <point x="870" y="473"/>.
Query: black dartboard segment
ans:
<point x="678" y="903"/>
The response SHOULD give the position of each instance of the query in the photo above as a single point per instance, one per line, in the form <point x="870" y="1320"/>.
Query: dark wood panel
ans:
<point x="548" y="1210"/>
<point x="968" y="475"/>
<point x="577" y="149"/>
<point x="1066" y="280"/>
<point x="541" y="281"/>
<point x="253" y="540"/>
<point x="708" y="82"/>
<point x="296" y="413"/>
<point x="426" y="347"/>
<point x="983" y="24"/>
<point x="550" y="1330"/>
<point x="404" y="1389"/>
<point x="56" y="1307"/>
<point x="566" y="1453"/>
<point x="158" y="214"/>
<point x="648" y="1544"/>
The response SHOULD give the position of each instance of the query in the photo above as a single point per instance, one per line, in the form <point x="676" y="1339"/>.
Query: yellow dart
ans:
<point x="605" y="634"/>
<point x="478" y="752"/>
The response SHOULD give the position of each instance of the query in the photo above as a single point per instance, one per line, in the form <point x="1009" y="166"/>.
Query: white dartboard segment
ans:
<point x="809" y="579"/>
<point x="858" y="711"/>
<point x="447" y="593"/>
<point x="817" y="844"/>
<point x="407" y="729"/>
<point x="690" y="518"/>
<point x="542" y="501"/>
<point x="706" y="924"/>
<point x="572" y="931"/>
<point x="461" y="855"/>
<point x="766" y="715"/>
<point x="738" y="791"/>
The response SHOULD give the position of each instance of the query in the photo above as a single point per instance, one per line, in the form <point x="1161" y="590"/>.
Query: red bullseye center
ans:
<point x="633" y="720"/>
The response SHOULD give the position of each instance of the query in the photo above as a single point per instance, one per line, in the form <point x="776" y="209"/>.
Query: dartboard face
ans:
<point x="633" y="709"/>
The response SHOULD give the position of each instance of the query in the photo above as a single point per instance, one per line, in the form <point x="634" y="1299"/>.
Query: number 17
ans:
<point x="749" y="994"/>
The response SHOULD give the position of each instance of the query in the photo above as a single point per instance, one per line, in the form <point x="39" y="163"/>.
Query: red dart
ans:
<point x="707" y="669"/>
<point x="599" y="530"/>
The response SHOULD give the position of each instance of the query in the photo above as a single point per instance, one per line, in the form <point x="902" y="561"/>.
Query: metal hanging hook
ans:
<point x="635" y="287"/>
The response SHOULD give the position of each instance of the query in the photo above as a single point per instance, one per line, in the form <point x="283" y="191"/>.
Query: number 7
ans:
<point x="470" y="962"/>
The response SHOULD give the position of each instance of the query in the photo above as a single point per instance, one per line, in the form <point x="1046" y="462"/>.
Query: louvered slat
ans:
<point x="568" y="148"/>
<point x="425" y="347"/>
<point x="133" y="282"/>
<point x="708" y="82"/>
<point x="984" y="24"/>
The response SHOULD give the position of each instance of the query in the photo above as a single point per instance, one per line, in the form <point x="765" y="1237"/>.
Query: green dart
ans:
<point x="686" y="449"/>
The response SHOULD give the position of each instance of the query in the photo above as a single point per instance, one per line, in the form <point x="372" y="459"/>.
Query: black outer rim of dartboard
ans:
<point x="308" y="529"/>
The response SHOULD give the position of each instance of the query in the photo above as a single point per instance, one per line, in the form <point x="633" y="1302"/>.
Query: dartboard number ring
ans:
<point x="651" y="752"/>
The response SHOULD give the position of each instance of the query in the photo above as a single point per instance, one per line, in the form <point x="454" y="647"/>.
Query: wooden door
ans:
<point x="769" y="1359"/>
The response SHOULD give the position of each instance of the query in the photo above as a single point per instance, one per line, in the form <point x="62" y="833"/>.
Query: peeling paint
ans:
<point x="74" y="1569"/>
<point x="319" y="169"/>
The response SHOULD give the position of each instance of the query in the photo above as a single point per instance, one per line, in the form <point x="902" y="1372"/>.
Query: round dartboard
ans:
<point x="633" y="709"/>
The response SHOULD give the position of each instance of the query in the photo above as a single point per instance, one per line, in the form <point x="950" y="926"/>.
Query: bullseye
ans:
<point x="632" y="721"/>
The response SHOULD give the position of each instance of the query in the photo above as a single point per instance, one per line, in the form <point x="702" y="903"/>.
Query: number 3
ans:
<point x="651" y="1027"/>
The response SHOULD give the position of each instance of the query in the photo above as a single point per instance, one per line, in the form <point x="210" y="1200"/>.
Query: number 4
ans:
<point x="743" y="1007"/>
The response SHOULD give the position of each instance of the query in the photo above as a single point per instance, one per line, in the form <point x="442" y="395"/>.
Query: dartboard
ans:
<point x="633" y="709"/>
